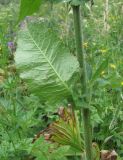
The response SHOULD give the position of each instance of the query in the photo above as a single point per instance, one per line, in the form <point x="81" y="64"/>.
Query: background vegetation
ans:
<point x="23" y="113"/>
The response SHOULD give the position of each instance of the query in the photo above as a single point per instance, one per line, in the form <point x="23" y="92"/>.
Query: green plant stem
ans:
<point x="82" y="63"/>
<point x="87" y="133"/>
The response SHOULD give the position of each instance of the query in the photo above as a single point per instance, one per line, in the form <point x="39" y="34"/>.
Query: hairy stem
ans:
<point x="82" y="63"/>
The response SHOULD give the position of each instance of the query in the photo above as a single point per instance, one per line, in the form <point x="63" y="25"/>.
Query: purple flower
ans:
<point x="10" y="45"/>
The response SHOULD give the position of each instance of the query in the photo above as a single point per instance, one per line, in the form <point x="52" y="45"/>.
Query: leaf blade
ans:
<point x="45" y="63"/>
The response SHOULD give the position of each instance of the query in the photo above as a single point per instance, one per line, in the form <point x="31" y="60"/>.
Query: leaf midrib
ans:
<point x="66" y="86"/>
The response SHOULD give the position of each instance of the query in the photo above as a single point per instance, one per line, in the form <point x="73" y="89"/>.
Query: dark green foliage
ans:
<point x="28" y="7"/>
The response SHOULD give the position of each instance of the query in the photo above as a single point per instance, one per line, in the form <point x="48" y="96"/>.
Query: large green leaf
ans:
<point x="28" y="7"/>
<point x="45" y="63"/>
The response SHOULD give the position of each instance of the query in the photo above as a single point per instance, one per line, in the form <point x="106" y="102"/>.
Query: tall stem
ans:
<point x="82" y="64"/>
<point x="106" y="10"/>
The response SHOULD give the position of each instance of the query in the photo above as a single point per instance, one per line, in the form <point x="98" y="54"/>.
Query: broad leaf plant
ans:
<point x="48" y="67"/>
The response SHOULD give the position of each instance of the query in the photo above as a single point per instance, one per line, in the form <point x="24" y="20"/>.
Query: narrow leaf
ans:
<point x="101" y="68"/>
<point x="28" y="7"/>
